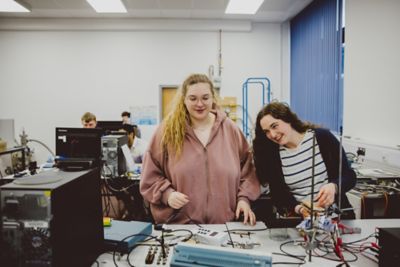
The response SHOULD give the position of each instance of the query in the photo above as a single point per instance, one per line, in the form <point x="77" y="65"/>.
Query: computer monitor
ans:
<point x="109" y="127"/>
<point x="79" y="143"/>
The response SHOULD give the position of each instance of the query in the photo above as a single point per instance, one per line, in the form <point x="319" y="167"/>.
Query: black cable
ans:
<point x="133" y="247"/>
<point x="108" y="200"/>
<point x="104" y="198"/>
<point x="339" y="260"/>
<point x="362" y="239"/>
<point x="111" y="207"/>
<point x="192" y="221"/>
<point x="121" y="243"/>
<point x="128" y="256"/>
<point x="161" y="227"/>
<point x="291" y="256"/>
<point x="326" y="251"/>
<point x="123" y="189"/>
<point x="327" y="248"/>
<point x="332" y="251"/>
<point x="162" y="244"/>
<point x="353" y="254"/>
<point x="229" y="234"/>
<point x="300" y="257"/>
<point x="183" y="230"/>
<point x="108" y="204"/>
<point x="108" y="184"/>
<point x="248" y="230"/>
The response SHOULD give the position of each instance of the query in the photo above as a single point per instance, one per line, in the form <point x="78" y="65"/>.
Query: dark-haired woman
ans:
<point x="283" y="154"/>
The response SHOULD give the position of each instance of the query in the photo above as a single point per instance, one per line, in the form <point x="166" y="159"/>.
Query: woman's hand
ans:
<point x="177" y="200"/>
<point x="301" y="210"/>
<point x="326" y="195"/>
<point x="248" y="214"/>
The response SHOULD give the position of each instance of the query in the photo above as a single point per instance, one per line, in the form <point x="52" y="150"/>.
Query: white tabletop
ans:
<point x="266" y="244"/>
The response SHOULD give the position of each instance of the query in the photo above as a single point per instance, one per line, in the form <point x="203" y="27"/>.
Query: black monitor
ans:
<point x="79" y="143"/>
<point x="109" y="126"/>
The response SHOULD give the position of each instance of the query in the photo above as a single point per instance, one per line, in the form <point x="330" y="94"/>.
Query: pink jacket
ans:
<point x="214" y="177"/>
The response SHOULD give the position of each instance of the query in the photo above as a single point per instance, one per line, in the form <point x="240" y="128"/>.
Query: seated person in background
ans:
<point x="136" y="145"/>
<point x="283" y="151"/>
<point x="126" y="119"/>
<point x="198" y="168"/>
<point x="89" y="120"/>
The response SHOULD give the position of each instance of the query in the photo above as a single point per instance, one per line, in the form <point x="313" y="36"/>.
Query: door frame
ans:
<point x="161" y="94"/>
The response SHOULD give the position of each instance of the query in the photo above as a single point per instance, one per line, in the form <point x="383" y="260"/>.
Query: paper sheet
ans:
<point x="130" y="164"/>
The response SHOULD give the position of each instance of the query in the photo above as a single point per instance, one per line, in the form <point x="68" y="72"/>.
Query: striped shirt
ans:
<point x="297" y="168"/>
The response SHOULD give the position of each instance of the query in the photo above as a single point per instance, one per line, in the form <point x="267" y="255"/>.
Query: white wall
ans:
<point x="371" y="82"/>
<point x="50" y="78"/>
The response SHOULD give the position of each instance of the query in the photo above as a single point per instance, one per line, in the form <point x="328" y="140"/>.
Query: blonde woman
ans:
<point x="198" y="168"/>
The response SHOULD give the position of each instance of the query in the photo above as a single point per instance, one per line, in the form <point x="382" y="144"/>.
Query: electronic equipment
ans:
<point x="78" y="148"/>
<point x="263" y="208"/>
<point x="121" y="230"/>
<point x="374" y="201"/>
<point x="210" y="237"/>
<point x="113" y="157"/>
<point x="389" y="252"/>
<point x="53" y="218"/>
<point x="13" y="159"/>
<point x="187" y="255"/>
<point x="109" y="127"/>
<point x="75" y="164"/>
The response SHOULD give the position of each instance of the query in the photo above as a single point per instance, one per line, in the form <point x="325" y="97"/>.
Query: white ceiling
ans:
<point x="270" y="11"/>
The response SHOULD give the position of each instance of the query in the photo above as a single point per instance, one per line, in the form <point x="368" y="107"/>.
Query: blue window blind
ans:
<point x="316" y="86"/>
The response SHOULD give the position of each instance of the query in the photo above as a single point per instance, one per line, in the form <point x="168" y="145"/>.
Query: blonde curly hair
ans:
<point x="175" y="122"/>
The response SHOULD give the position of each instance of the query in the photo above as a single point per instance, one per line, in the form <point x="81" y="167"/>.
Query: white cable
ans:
<point x="43" y="144"/>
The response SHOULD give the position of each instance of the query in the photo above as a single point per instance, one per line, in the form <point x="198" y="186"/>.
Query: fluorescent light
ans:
<point x="13" y="6"/>
<point x="107" y="6"/>
<point x="243" y="6"/>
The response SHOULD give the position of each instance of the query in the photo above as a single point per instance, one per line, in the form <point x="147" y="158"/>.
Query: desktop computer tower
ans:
<point x="51" y="219"/>
<point x="389" y="253"/>
<point x="113" y="157"/>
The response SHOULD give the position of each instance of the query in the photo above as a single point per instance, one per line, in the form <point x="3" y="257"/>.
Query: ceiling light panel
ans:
<point x="13" y="6"/>
<point x="243" y="6"/>
<point x="107" y="6"/>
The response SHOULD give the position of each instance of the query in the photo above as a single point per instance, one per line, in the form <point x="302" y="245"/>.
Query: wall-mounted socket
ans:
<point x="385" y="158"/>
<point x="361" y="154"/>
<point x="361" y="151"/>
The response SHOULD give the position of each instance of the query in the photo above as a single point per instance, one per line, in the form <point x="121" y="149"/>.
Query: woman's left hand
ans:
<point x="248" y="214"/>
<point x="326" y="195"/>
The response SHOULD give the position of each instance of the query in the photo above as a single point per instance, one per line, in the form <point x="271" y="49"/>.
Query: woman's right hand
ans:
<point x="303" y="211"/>
<point x="177" y="200"/>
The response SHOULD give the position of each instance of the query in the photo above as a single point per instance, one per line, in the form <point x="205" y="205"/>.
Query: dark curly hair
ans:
<point x="281" y="111"/>
<point x="261" y="144"/>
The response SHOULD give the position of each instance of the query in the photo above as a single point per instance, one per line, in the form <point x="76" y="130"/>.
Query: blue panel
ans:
<point x="315" y="61"/>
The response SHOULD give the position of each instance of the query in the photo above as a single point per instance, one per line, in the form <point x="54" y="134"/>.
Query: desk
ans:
<point x="137" y="257"/>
